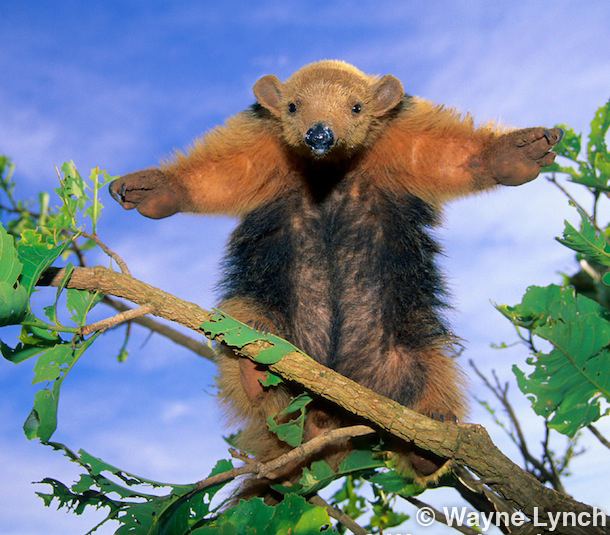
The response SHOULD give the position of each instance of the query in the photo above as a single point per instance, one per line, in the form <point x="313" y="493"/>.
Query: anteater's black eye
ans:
<point x="292" y="107"/>
<point x="357" y="108"/>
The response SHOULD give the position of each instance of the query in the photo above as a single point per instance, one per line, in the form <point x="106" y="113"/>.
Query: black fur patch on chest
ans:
<point x="349" y="276"/>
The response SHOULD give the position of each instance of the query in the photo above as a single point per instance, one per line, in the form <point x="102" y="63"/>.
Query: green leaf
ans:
<point x="36" y="257"/>
<point x="252" y="516"/>
<point x="136" y="510"/>
<point x="42" y="420"/>
<point x="10" y="267"/>
<point x="291" y="431"/>
<point x="33" y="342"/>
<point x="237" y="334"/>
<point x="568" y="383"/>
<point x="292" y="516"/>
<point x="74" y="502"/>
<point x="14" y="304"/>
<point x="14" y="299"/>
<point x="271" y="379"/>
<point x="53" y="362"/>
<point x="51" y="310"/>
<point x="570" y="144"/>
<point x="311" y="519"/>
<point x="56" y="363"/>
<point x="392" y="481"/>
<point x="37" y="335"/>
<point x="80" y="302"/>
<point x="599" y="129"/>
<point x="20" y="352"/>
<point x="222" y="529"/>
<point x="359" y="460"/>
<point x="586" y="241"/>
<point x="316" y="477"/>
<point x="356" y="505"/>
<point x="602" y="164"/>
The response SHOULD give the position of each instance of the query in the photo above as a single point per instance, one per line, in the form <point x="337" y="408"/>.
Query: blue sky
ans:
<point x="120" y="84"/>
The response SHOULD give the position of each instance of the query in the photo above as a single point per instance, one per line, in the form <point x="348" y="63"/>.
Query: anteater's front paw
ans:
<point x="517" y="157"/>
<point x="149" y="191"/>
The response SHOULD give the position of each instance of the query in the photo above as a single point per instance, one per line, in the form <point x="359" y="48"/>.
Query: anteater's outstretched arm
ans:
<point x="231" y="170"/>
<point x="436" y="154"/>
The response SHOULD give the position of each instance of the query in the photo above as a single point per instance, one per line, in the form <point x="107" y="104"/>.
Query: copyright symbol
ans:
<point x="425" y="516"/>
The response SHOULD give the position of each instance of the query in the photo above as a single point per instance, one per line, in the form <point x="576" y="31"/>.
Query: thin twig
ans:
<point x="599" y="436"/>
<point x="244" y="457"/>
<point x="265" y="469"/>
<point x="226" y="476"/>
<point x="577" y="204"/>
<point x="120" y="262"/>
<point x="439" y="516"/>
<point x="548" y="455"/>
<point x="196" y="346"/>
<point x="314" y="445"/>
<point x="79" y="254"/>
<point x="121" y="317"/>
<point x="501" y="394"/>
<point x="338" y="515"/>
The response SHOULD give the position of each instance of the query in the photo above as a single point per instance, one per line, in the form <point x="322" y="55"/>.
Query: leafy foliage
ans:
<point x="568" y="383"/>
<point x="43" y="238"/>
<point x="131" y="499"/>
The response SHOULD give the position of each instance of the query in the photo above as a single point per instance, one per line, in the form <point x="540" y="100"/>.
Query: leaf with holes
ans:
<point x="586" y="241"/>
<point x="80" y="302"/>
<point x="237" y="334"/>
<point x="569" y="383"/>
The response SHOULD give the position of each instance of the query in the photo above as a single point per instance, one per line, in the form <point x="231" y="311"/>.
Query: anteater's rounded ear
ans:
<point x="268" y="92"/>
<point x="387" y="93"/>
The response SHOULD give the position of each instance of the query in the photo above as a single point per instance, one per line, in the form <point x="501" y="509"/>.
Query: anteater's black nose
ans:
<point x="319" y="139"/>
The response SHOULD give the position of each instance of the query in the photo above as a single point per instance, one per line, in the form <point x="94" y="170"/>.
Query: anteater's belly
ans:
<point x="351" y="281"/>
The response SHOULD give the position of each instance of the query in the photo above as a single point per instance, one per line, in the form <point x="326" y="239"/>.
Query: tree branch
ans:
<point x="312" y="446"/>
<point x="122" y="317"/>
<point x="196" y="346"/>
<point x="468" y="445"/>
<point x="265" y="469"/>
<point x="122" y="265"/>
<point x="338" y="515"/>
<point x="599" y="436"/>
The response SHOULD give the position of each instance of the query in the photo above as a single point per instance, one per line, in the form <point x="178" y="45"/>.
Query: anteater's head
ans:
<point x="328" y="107"/>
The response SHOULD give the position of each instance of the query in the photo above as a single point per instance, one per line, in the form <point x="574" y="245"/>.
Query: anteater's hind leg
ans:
<point x="250" y="405"/>
<point x="442" y="398"/>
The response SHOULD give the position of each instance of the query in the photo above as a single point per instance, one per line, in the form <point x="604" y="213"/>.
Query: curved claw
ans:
<point x="547" y="135"/>
<point x="118" y="196"/>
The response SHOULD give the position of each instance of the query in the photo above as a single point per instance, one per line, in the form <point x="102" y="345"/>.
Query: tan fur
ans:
<point x="239" y="166"/>
<point x="232" y="169"/>
<point x="401" y="158"/>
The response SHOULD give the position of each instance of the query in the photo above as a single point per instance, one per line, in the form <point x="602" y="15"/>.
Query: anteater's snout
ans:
<point x="319" y="139"/>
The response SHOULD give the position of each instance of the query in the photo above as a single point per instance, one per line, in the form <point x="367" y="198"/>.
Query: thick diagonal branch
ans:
<point x="467" y="445"/>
